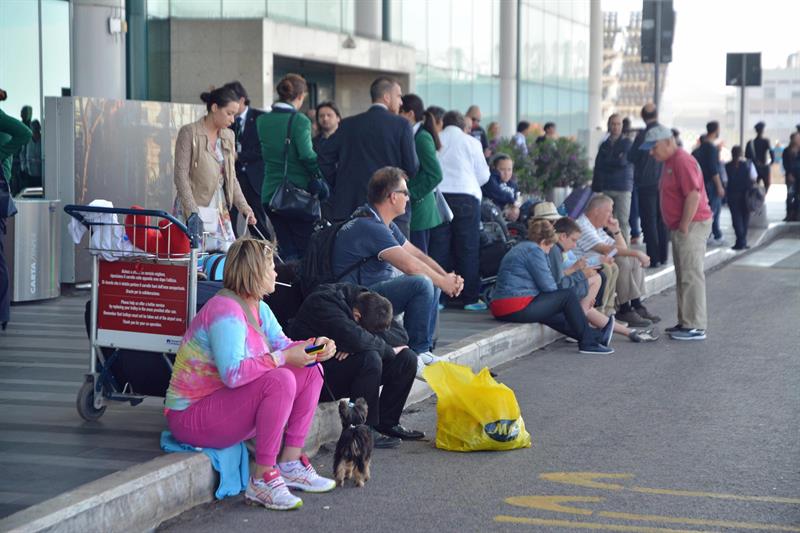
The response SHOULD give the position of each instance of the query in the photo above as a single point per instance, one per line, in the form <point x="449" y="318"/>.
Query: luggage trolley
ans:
<point x="142" y="302"/>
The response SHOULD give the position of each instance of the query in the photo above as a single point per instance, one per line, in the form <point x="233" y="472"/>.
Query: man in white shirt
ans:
<point x="622" y="266"/>
<point x="457" y="244"/>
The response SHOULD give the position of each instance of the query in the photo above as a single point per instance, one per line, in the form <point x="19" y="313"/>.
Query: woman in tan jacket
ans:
<point x="205" y="177"/>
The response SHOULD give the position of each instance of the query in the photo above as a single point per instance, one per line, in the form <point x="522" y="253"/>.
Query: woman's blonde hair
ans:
<point x="245" y="267"/>
<point x="542" y="230"/>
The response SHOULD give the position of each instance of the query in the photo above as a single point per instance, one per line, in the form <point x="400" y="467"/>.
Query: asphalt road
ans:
<point x="696" y="436"/>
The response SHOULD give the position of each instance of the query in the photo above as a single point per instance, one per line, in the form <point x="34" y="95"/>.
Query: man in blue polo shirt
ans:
<point x="397" y="270"/>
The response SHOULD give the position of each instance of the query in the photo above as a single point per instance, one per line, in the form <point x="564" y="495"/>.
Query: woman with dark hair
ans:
<point x="742" y="175"/>
<point x="526" y="292"/>
<point x="205" y="172"/>
<point x="286" y="147"/>
<point x="438" y="118"/>
<point x="424" y="213"/>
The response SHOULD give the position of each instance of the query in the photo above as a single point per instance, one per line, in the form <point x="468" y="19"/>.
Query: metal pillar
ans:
<point x="508" y="67"/>
<point x="98" y="55"/>
<point x="595" y="66"/>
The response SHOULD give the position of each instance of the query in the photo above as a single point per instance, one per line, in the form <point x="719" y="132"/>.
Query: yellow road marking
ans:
<point x="694" y="494"/>
<point x="588" y="525"/>
<point x="588" y="479"/>
<point x="585" y="479"/>
<point x="696" y="521"/>
<point x="553" y="503"/>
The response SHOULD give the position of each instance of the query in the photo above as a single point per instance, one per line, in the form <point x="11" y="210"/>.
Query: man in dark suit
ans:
<point x="249" y="164"/>
<point x="364" y="143"/>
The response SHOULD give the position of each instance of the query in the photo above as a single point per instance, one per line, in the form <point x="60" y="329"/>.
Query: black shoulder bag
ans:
<point x="290" y="200"/>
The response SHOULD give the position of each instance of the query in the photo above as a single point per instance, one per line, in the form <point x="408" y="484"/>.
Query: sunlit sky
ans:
<point x="706" y="30"/>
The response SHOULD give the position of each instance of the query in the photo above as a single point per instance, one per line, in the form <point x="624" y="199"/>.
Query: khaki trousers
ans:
<point x="610" y="290"/>
<point x="630" y="284"/>
<point x="688" y="253"/>
<point x="622" y="212"/>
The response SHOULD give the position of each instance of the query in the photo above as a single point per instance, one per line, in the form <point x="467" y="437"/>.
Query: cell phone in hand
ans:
<point x="613" y="252"/>
<point x="593" y="261"/>
<point x="314" y="350"/>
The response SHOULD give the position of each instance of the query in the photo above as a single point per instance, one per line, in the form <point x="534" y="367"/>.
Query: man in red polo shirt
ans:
<point x="685" y="210"/>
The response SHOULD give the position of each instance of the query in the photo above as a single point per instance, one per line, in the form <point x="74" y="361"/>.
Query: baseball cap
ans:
<point x="655" y="134"/>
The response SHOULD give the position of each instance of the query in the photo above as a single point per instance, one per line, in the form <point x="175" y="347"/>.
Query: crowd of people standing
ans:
<point x="400" y="191"/>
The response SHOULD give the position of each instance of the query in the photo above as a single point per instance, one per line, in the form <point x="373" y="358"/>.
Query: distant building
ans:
<point x="776" y="102"/>
<point x="627" y="83"/>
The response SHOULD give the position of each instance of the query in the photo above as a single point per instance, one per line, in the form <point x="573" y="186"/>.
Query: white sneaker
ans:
<point x="271" y="492"/>
<point x="424" y="359"/>
<point x="302" y="476"/>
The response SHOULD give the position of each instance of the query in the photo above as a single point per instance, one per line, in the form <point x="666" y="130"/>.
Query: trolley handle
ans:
<point x="192" y="229"/>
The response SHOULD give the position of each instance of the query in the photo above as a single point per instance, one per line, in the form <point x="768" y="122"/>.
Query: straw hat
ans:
<point x="546" y="210"/>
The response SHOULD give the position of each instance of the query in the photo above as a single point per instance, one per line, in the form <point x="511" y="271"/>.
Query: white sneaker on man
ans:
<point x="424" y="359"/>
<point x="301" y="475"/>
<point x="271" y="492"/>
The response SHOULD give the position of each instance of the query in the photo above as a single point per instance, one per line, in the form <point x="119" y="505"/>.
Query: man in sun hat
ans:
<point x="687" y="215"/>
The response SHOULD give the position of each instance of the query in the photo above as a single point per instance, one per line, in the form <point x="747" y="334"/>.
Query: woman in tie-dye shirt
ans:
<point x="232" y="381"/>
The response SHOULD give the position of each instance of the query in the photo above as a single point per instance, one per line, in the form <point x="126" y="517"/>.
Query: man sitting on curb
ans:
<point x="625" y="271"/>
<point x="373" y="351"/>
<point x="415" y="289"/>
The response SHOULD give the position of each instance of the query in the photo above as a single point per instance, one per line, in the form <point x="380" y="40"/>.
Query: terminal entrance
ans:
<point x="345" y="85"/>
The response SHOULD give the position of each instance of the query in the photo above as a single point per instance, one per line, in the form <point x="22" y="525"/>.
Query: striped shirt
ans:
<point x="590" y="237"/>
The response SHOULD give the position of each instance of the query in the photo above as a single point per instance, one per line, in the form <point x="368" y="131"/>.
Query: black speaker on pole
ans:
<point x="648" y="37"/>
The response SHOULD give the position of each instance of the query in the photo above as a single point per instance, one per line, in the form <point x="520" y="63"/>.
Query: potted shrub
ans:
<point x="561" y="165"/>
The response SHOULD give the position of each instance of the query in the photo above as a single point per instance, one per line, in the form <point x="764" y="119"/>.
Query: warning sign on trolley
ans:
<point x="141" y="305"/>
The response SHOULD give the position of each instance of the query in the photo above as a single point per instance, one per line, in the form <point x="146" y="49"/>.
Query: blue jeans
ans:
<point x="561" y="311"/>
<point x="418" y="299"/>
<point x="457" y="245"/>
<point x="715" y="202"/>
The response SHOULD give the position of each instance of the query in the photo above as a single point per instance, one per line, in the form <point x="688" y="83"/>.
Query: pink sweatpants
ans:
<point x="285" y="397"/>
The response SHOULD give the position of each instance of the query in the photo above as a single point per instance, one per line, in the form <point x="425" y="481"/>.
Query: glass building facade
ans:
<point x="34" y="60"/>
<point x="34" y="52"/>
<point x="334" y="15"/>
<point x="457" y="44"/>
<point x="458" y="56"/>
<point x="553" y="67"/>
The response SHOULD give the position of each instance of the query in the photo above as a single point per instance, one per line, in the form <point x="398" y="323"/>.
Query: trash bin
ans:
<point x="36" y="250"/>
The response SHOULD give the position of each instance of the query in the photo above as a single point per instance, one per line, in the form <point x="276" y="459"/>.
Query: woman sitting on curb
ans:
<point x="527" y="292"/>
<point x="585" y="281"/>
<point x="237" y="376"/>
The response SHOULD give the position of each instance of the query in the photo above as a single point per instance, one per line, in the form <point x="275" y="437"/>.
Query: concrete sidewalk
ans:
<point x="135" y="498"/>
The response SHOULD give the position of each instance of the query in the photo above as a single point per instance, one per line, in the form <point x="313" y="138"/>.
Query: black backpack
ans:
<point x="316" y="267"/>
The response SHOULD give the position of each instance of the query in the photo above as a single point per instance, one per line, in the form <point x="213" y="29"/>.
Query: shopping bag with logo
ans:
<point x="474" y="412"/>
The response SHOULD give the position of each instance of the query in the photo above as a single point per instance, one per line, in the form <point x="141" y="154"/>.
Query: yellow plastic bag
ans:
<point x="474" y="411"/>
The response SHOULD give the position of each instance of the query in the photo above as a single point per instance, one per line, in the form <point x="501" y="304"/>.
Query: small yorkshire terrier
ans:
<point x="354" y="448"/>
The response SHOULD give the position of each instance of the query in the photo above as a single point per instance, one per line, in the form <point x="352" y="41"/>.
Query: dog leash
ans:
<point x="325" y="383"/>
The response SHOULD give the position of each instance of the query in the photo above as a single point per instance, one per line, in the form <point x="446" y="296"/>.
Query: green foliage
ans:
<point x="560" y="162"/>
